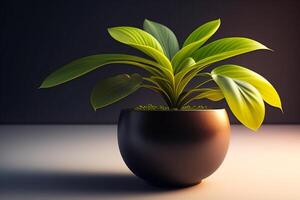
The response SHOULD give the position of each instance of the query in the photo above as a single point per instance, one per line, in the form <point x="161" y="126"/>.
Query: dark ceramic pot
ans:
<point x="173" y="148"/>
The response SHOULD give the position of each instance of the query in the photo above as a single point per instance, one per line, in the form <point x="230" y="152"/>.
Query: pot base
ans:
<point x="172" y="185"/>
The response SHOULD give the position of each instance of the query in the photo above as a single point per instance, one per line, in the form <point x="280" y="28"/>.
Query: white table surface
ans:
<point x="62" y="162"/>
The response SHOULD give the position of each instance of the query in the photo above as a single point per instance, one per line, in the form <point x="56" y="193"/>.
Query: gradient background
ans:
<point x="37" y="37"/>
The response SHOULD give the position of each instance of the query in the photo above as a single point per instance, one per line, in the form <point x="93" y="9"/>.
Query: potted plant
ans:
<point x="176" y="144"/>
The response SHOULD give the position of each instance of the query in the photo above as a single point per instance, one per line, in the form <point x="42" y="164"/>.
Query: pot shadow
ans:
<point x="58" y="182"/>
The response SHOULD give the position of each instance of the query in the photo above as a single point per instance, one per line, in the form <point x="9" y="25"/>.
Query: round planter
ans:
<point x="173" y="148"/>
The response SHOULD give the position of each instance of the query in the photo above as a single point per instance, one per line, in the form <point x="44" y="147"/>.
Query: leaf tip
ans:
<point x="93" y="105"/>
<point x="109" y="29"/>
<point x="43" y="85"/>
<point x="271" y="49"/>
<point x="146" y="20"/>
<point x="281" y="109"/>
<point x="265" y="47"/>
<point x="113" y="32"/>
<point x="278" y="104"/>
<point x="48" y="83"/>
<point x="217" y="22"/>
<point x="254" y="129"/>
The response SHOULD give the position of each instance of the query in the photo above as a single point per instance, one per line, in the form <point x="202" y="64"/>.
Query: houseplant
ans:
<point x="176" y="145"/>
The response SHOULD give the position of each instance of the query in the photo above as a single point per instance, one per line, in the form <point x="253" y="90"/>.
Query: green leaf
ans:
<point x="204" y="31"/>
<point x="182" y="82"/>
<point x="244" y="100"/>
<point x="186" y="63"/>
<point x="209" y="93"/>
<point x="162" y="85"/>
<point x="111" y="90"/>
<point x="142" y="41"/>
<point x="164" y="36"/>
<point x="216" y="51"/>
<point x="194" y="42"/>
<point x="225" y="48"/>
<point x="84" y="65"/>
<point x="161" y="92"/>
<point x="265" y="88"/>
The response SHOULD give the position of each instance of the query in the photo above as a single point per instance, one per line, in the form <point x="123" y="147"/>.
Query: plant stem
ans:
<point x="183" y="98"/>
<point x="159" y="91"/>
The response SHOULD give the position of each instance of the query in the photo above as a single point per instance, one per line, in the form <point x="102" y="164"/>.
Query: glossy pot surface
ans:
<point x="173" y="148"/>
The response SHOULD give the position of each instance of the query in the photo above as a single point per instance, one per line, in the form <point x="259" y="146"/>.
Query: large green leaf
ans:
<point x="164" y="36"/>
<point x="227" y="47"/>
<point x="265" y="88"/>
<point x="84" y="65"/>
<point x="244" y="100"/>
<point x="111" y="90"/>
<point x="142" y="41"/>
<point x="216" y="51"/>
<point x="194" y="42"/>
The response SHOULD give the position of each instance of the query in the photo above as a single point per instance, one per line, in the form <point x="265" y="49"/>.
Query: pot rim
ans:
<point x="200" y="110"/>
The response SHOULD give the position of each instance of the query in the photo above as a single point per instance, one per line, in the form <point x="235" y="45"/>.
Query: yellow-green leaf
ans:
<point x="243" y="99"/>
<point x="194" y="42"/>
<point x="142" y="41"/>
<point x="113" y="89"/>
<point x="216" y="51"/>
<point x="265" y="88"/>
<point x="204" y="31"/>
<point x="87" y="64"/>
<point x="226" y="48"/>
<point x="211" y="94"/>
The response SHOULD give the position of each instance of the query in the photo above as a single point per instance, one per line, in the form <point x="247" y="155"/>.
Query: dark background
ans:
<point x="39" y="36"/>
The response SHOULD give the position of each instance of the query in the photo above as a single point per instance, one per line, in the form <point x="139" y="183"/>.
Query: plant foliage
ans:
<point x="171" y="68"/>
